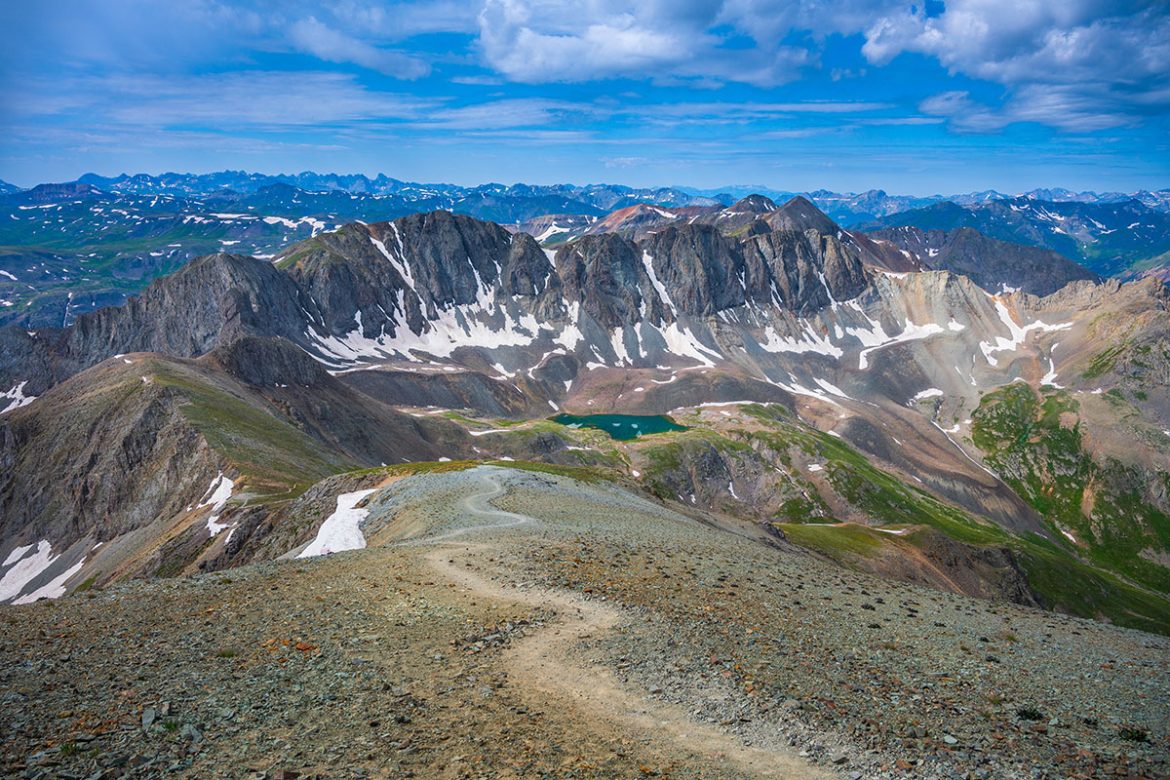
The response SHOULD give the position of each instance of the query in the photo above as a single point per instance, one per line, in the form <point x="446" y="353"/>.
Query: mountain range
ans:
<point x="66" y="249"/>
<point x="997" y="417"/>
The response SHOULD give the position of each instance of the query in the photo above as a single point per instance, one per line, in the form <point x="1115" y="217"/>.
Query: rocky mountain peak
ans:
<point x="49" y="193"/>
<point x="754" y="204"/>
<point x="211" y="301"/>
<point x="800" y="214"/>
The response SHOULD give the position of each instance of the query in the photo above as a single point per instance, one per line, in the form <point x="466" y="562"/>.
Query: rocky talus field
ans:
<point x="515" y="622"/>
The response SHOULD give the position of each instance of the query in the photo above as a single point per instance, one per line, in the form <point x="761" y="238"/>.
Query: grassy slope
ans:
<point x="273" y="455"/>
<point x="1035" y="442"/>
<point x="1056" y="574"/>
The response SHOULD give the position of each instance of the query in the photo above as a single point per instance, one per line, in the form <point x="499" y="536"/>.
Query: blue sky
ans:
<point x="916" y="98"/>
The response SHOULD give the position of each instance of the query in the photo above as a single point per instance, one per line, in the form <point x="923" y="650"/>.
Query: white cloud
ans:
<point x="232" y="101"/>
<point x="324" y="42"/>
<point x="399" y="21"/>
<point x="500" y="114"/>
<point x="1057" y="106"/>
<point x="550" y="41"/>
<point x="1011" y="41"/>
<point x="1072" y="64"/>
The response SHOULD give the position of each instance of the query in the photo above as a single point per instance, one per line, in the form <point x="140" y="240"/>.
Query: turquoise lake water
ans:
<point x="622" y="427"/>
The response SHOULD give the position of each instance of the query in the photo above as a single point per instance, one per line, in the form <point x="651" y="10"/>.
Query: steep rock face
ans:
<point x="396" y="277"/>
<point x="806" y="271"/>
<point x="211" y="301"/>
<point x="434" y="283"/>
<point x="989" y="262"/>
<point x="454" y="260"/>
<point x="98" y="456"/>
<point x="605" y="275"/>
<point x="346" y="277"/>
<point x="756" y="215"/>
<point x="28" y="359"/>
<point x="702" y="270"/>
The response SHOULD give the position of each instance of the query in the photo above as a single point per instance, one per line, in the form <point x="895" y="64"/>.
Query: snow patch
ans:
<point x="930" y="392"/>
<point x="54" y="589"/>
<point x="25" y="568"/>
<point x="16" y="555"/>
<point x="878" y="338"/>
<point x="1018" y="334"/>
<point x="1050" y="378"/>
<point x="648" y="262"/>
<point x="809" y="341"/>
<point x="342" y="529"/>
<point x="17" y="397"/>
<point x="217" y="495"/>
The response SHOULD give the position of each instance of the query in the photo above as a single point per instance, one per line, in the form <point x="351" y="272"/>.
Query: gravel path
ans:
<point x="545" y="661"/>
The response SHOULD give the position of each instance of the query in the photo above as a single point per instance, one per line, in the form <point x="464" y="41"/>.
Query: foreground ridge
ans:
<point x="498" y="616"/>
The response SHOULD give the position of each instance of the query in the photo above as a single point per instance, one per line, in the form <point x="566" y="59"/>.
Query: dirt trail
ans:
<point x="545" y="661"/>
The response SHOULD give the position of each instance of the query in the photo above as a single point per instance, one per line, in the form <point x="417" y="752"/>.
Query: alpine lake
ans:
<point x="622" y="427"/>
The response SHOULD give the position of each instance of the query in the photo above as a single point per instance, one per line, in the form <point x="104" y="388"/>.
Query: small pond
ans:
<point x="622" y="427"/>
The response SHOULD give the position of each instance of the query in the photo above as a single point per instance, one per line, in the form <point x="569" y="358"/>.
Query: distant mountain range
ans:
<point x="70" y="248"/>
<point x="1108" y="237"/>
<point x="852" y="209"/>
<point x="848" y="208"/>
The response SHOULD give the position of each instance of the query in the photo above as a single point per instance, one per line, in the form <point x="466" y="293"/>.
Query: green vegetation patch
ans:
<point x="835" y="541"/>
<point x="1034" y="441"/>
<point x="274" y="455"/>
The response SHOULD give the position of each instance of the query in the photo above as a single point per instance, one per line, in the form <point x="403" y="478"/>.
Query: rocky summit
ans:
<point x="677" y="487"/>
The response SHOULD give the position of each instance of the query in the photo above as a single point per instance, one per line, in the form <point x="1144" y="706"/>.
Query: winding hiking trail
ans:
<point x="544" y="661"/>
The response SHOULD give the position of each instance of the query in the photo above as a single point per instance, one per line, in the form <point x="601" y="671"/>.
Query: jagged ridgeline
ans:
<point x="932" y="406"/>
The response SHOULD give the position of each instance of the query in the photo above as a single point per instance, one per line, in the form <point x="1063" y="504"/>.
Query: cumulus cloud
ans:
<point x="1071" y="64"/>
<point x="700" y="40"/>
<point x="1011" y="41"/>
